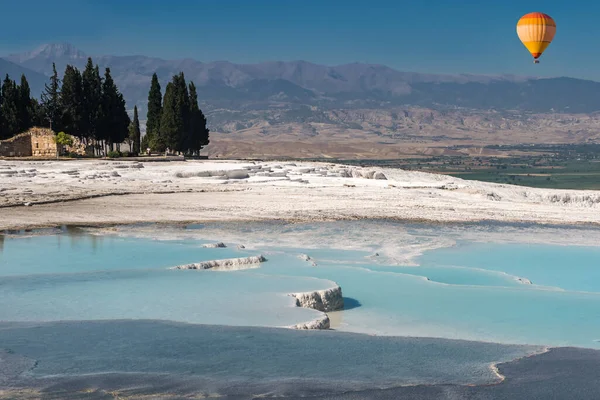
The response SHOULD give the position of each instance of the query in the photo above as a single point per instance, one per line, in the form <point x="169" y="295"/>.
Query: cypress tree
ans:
<point x="26" y="107"/>
<point x="71" y="98"/>
<point x="92" y="92"/>
<point x="183" y="113"/>
<point x="134" y="132"/>
<point x="122" y="120"/>
<point x="10" y="108"/>
<point x="191" y="135"/>
<point x="153" y="116"/>
<point x="114" y="120"/>
<point x="175" y="118"/>
<point x="104" y="112"/>
<point x="167" y="134"/>
<point x="51" y="101"/>
<point x="198" y="136"/>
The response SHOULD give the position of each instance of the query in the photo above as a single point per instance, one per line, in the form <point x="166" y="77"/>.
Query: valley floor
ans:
<point x="93" y="192"/>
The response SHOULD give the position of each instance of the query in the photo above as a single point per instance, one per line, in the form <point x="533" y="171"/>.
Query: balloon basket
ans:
<point x="536" y="61"/>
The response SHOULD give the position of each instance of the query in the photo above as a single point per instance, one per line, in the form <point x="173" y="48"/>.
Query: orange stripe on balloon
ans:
<point x="536" y="21"/>
<point x="536" y="18"/>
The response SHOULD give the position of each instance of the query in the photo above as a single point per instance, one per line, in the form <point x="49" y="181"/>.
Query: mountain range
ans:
<point x="275" y="100"/>
<point x="301" y="82"/>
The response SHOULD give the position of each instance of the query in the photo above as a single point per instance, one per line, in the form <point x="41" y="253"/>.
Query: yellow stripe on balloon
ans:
<point x="536" y="47"/>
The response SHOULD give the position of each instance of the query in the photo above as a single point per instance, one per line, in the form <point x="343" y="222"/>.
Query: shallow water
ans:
<point x="573" y="268"/>
<point x="76" y="252"/>
<point x="57" y="277"/>
<point x="472" y="292"/>
<point x="393" y="303"/>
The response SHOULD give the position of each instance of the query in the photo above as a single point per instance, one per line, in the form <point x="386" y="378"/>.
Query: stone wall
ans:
<point x="42" y="142"/>
<point x="17" y="146"/>
<point x="36" y="142"/>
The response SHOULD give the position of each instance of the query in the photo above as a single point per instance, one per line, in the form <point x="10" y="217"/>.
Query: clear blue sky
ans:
<point x="470" y="36"/>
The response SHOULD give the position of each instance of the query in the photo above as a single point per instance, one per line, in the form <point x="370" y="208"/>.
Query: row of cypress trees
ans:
<point x="86" y="105"/>
<point x="175" y="121"/>
<point x="91" y="107"/>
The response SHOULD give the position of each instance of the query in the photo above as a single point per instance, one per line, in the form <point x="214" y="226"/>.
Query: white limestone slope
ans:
<point x="110" y="192"/>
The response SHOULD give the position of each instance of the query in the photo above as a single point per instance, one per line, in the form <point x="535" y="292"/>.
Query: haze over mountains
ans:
<point x="279" y="101"/>
<point x="303" y="82"/>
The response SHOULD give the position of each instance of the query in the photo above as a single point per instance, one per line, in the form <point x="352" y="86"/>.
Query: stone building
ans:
<point x="36" y="142"/>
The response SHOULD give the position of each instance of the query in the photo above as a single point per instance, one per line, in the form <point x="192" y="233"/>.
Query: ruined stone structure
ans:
<point x="36" y="142"/>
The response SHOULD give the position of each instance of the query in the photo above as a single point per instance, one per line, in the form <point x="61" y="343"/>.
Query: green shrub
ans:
<point x="63" y="139"/>
<point x="114" y="154"/>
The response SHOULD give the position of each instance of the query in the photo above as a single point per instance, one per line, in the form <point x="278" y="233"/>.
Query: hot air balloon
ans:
<point x="536" y="30"/>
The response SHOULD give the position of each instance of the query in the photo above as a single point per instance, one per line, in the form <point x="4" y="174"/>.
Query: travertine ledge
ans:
<point x="226" y="264"/>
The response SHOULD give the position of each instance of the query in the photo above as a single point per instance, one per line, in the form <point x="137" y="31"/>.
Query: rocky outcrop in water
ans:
<point x="306" y="257"/>
<point x="321" y="323"/>
<point x="321" y="300"/>
<point x="226" y="264"/>
<point x="219" y="245"/>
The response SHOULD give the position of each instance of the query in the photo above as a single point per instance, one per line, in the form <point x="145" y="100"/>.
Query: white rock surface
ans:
<point x="202" y="191"/>
<point x="230" y="264"/>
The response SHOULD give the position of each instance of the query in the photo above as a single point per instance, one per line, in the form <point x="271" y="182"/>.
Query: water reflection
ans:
<point x="78" y="236"/>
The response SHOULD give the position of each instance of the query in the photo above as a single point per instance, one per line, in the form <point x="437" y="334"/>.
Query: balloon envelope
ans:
<point x="536" y="31"/>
